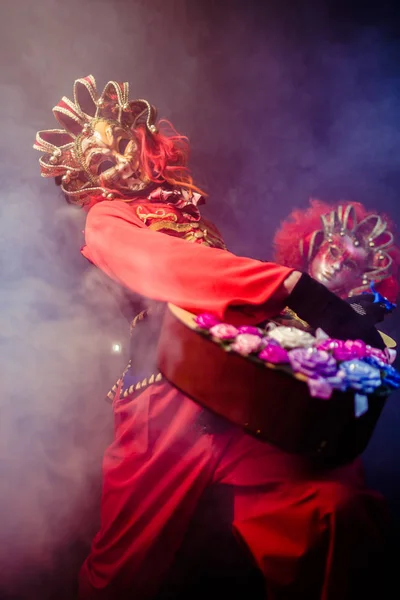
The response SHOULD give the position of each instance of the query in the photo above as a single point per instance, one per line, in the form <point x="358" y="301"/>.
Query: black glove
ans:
<point x="369" y="308"/>
<point x="314" y="303"/>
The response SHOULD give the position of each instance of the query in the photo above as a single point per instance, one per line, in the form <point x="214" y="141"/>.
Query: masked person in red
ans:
<point x="310" y="533"/>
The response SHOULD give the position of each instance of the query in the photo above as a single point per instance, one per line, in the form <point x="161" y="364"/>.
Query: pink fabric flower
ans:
<point x="224" y="331"/>
<point x="377" y="353"/>
<point x="251" y="330"/>
<point x="206" y="320"/>
<point x="350" y="350"/>
<point x="344" y="350"/>
<point x="329" y="344"/>
<point x="319" y="388"/>
<point x="391" y="355"/>
<point x="246" y="343"/>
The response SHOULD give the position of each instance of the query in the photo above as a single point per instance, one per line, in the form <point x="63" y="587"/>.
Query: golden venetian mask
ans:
<point x="96" y="152"/>
<point x="110" y="156"/>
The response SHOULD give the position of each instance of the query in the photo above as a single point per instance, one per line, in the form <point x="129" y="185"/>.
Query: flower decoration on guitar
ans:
<point x="327" y="364"/>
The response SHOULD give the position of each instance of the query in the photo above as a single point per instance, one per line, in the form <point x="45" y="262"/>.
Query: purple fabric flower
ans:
<point x="224" y="331"/>
<point x="361" y="376"/>
<point x="206" y="320"/>
<point x="338" y="381"/>
<point x="246" y="343"/>
<point x="312" y="362"/>
<point x="275" y="354"/>
<point x="319" y="388"/>
<point x="251" y="330"/>
<point x="322" y="387"/>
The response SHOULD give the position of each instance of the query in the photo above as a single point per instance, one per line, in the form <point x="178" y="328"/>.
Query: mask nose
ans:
<point x="337" y="266"/>
<point x="123" y="165"/>
<point x="122" y="161"/>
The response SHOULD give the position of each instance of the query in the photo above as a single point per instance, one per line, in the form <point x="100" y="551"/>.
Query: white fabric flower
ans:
<point x="290" y="337"/>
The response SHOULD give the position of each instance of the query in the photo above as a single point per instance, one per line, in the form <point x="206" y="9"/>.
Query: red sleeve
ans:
<point x="192" y="276"/>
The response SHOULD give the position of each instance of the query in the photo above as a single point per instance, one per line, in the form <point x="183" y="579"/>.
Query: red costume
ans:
<point x="310" y="533"/>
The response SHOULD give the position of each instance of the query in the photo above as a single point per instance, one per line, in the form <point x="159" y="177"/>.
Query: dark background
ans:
<point x="282" y="101"/>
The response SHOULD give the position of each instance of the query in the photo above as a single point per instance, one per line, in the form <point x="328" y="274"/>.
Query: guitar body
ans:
<point x="265" y="401"/>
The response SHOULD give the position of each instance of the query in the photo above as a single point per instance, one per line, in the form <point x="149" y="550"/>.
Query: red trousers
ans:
<point x="309" y="533"/>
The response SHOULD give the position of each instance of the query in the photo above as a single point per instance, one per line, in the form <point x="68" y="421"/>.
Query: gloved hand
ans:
<point x="372" y="306"/>
<point x="314" y="303"/>
<point x="366" y="305"/>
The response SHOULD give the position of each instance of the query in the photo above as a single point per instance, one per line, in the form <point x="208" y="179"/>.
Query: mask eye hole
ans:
<point x="122" y="145"/>
<point x="334" y="251"/>
<point x="105" y="166"/>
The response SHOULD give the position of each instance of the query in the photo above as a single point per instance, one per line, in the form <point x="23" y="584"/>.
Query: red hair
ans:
<point x="301" y="224"/>
<point x="164" y="156"/>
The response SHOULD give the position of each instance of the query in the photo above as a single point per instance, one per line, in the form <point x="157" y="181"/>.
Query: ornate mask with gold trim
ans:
<point x="97" y="151"/>
<point x="346" y="255"/>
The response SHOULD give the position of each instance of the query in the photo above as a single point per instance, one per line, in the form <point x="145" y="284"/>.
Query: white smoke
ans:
<point x="276" y="112"/>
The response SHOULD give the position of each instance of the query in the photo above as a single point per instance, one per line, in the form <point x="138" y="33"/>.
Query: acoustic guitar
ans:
<point x="265" y="400"/>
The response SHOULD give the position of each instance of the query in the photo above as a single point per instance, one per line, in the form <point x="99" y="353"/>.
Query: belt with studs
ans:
<point x="132" y="380"/>
<point x="129" y="384"/>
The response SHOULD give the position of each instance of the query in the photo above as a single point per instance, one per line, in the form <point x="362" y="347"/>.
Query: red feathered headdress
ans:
<point x="300" y="236"/>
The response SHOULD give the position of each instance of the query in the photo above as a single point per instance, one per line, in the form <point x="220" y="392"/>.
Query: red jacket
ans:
<point x="123" y="239"/>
